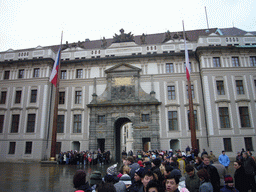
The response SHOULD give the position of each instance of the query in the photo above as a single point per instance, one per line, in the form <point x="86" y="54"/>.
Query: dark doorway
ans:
<point x="174" y="144"/>
<point x="146" y="144"/>
<point x="101" y="144"/>
<point x="76" y="146"/>
<point x="118" y="125"/>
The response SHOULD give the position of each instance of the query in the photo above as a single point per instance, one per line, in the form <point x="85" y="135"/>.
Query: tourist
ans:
<point x="224" y="159"/>
<point x="146" y="177"/>
<point x="109" y="187"/>
<point x="137" y="184"/>
<point x="212" y="157"/>
<point x="171" y="184"/>
<point x="222" y="172"/>
<point x="133" y="165"/>
<point x="79" y="181"/>
<point x="239" y="157"/>
<point x="249" y="167"/>
<point x="95" y="179"/>
<point x="203" y="153"/>
<point x="213" y="172"/>
<point x="229" y="185"/>
<point x="198" y="162"/>
<point x="205" y="184"/>
<point x="153" y="186"/>
<point x="156" y="163"/>
<point x="240" y="182"/>
<point x="192" y="181"/>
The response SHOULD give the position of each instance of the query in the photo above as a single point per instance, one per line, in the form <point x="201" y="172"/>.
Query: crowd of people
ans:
<point x="168" y="171"/>
<point x="83" y="157"/>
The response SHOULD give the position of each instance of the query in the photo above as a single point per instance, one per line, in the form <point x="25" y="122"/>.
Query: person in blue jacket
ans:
<point x="224" y="159"/>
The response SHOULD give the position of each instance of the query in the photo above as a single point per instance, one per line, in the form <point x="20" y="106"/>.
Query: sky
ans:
<point x="30" y="23"/>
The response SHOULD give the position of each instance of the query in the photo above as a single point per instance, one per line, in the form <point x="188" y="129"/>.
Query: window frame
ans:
<point x="192" y="90"/>
<point x="253" y="61"/>
<point x="239" y="87"/>
<point x="61" y="97"/>
<point x="216" y="62"/>
<point x="63" y="74"/>
<point x="248" y="143"/>
<point x="173" y="121"/>
<point x="12" y="148"/>
<point x="169" y="68"/>
<point x="31" y="122"/>
<point x="15" y="123"/>
<point x="78" y="97"/>
<point x="171" y="92"/>
<point x="6" y="74"/>
<point x="18" y="97"/>
<point x="1" y="123"/>
<point x="244" y="116"/>
<point x="3" y="97"/>
<point x="227" y="144"/>
<point x="79" y="73"/>
<point x="224" y="117"/>
<point x="145" y="117"/>
<point x="60" y="123"/>
<point x="33" y="96"/>
<point x="21" y="73"/>
<point x="28" y="147"/>
<point x="36" y="72"/>
<point x="235" y="62"/>
<point x="220" y="87"/>
<point x="101" y="118"/>
<point x="77" y="123"/>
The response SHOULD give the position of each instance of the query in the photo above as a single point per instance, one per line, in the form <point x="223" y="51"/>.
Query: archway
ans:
<point x="118" y="125"/>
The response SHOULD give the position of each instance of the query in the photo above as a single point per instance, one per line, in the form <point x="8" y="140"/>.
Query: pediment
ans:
<point x="123" y="67"/>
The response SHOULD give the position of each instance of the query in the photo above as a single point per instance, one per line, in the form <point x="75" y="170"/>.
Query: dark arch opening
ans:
<point x="118" y="124"/>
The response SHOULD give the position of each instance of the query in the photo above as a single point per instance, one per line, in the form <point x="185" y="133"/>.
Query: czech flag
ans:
<point x="54" y="74"/>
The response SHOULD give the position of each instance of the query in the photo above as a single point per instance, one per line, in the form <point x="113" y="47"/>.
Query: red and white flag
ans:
<point x="188" y="65"/>
<point x="55" y="69"/>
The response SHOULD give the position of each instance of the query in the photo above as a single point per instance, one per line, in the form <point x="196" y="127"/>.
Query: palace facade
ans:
<point x="130" y="93"/>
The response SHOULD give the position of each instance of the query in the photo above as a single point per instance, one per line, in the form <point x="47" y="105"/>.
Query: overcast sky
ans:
<point x="29" y="23"/>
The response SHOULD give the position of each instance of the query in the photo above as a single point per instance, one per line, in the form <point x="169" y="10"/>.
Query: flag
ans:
<point x="188" y="65"/>
<point x="55" y="69"/>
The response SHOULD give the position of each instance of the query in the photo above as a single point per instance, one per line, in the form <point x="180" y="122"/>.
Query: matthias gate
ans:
<point x="123" y="101"/>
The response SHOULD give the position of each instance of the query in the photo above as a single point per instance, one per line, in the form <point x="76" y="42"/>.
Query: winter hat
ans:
<point x="120" y="186"/>
<point x="95" y="178"/>
<point x="112" y="170"/>
<point x="140" y="163"/>
<point x="140" y="172"/>
<point x="228" y="179"/>
<point x="157" y="162"/>
<point x="126" y="179"/>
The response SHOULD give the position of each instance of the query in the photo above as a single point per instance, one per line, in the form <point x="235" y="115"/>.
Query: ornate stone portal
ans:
<point x="123" y="101"/>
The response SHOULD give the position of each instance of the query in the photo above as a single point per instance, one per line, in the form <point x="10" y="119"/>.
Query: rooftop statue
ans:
<point x="143" y="39"/>
<point x="123" y="37"/>
<point x="104" y="43"/>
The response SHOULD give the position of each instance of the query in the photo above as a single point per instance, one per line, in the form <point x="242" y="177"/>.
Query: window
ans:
<point x="60" y="124"/>
<point x="244" y="117"/>
<point x="21" y="73"/>
<point x="220" y="87"/>
<point x="18" y="97"/>
<point x="63" y="74"/>
<point x="227" y="144"/>
<point x="171" y="92"/>
<point x="33" y="96"/>
<point x="253" y="61"/>
<point x="12" y="146"/>
<point x="61" y="97"/>
<point x="235" y="62"/>
<point x="1" y="123"/>
<point x="101" y="118"/>
<point x="6" y="74"/>
<point x="145" y="117"/>
<point x="36" y="72"/>
<point x="58" y="147"/>
<point x="255" y="85"/>
<point x="77" y="124"/>
<point x="216" y="62"/>
<point x="31" y="123"/>
<point x="28" y="148"/>
<point x="195" y="117"/>
<point x="79" y="73"/>
<point x="169" y="68"/>
<point x="15" y="123"/>
<point x="3" y="97"/>
<point x="173" y="121"/>
<point x="224" y="117"/>
<point x="239" y="87"/>
<point x="248" y="144"/>
<point x="192" y="90"/>
<point x="78" y="97"/>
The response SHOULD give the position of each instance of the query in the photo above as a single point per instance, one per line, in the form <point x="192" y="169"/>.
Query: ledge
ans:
<point x="223" y="101"/>
<point x="242" y="100"/>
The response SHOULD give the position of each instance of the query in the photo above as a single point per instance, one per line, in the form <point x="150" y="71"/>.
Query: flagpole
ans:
<point x="55" y="114"/>
<point x="191" y="109"/>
